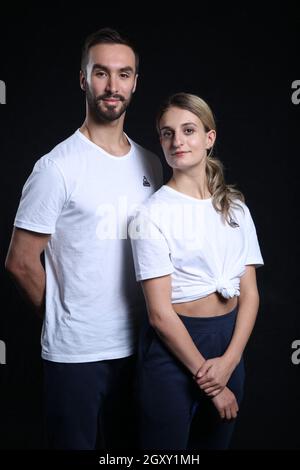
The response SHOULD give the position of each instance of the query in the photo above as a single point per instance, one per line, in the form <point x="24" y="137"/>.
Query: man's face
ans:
<point x="110" y="80"/>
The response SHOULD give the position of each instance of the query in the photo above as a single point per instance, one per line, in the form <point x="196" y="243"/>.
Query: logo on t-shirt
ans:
<point x="146" y="182"/>
<point x="233" y="223"/>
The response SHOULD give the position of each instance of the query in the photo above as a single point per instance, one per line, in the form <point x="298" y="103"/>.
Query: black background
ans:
<point x="242" y="60"/>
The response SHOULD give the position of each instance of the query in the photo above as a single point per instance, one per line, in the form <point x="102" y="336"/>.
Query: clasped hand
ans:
<point x="213" y="375"/>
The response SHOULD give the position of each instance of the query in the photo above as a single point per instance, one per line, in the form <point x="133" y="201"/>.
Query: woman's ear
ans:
<point x="210" y="139"/>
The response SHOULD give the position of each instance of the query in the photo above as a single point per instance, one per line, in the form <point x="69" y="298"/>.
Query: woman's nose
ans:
<point x="177" y="141"/>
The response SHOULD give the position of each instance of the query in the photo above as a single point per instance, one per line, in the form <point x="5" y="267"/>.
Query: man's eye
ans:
<point x="124" y="75"/>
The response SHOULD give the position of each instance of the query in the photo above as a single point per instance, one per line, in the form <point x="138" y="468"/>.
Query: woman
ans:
<point x="195" y="250"/>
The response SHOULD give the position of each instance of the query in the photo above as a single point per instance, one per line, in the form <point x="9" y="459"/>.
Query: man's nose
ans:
<point x="112" y="85"/>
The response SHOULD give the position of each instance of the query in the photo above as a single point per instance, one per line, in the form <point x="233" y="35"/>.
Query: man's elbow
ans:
<point x="15" y="266"/>
<point x="9" y="264"/>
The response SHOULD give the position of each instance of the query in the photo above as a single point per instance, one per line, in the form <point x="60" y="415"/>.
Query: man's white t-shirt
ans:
<point x="83" y="196"/>
<point x="173" y="233"/>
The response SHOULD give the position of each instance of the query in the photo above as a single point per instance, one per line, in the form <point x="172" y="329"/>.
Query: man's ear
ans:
<point x="82" y="80"/>
<point x="135" y="82"/>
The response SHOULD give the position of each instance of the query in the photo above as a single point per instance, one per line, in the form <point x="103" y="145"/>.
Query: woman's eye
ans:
<point x="167" y="134"/>
<point x="189" y="131"/>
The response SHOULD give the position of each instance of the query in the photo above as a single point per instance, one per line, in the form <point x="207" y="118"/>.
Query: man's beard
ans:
<point x="110" y="113"/>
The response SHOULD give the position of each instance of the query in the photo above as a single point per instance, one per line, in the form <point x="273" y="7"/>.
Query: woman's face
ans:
<point x="183" y="139"/>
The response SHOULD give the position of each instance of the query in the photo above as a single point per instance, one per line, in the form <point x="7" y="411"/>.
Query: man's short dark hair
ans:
<point x="106" y="36"/>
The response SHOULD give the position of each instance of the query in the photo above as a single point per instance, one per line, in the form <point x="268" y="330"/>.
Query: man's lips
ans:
<point x="111" y="100"/>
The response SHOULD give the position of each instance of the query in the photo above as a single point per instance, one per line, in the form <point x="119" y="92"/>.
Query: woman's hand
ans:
<point x="214" y="374"/>
<point x="226" y="404"/>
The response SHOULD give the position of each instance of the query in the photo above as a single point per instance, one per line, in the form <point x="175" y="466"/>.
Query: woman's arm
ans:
<point x="217" y="371"/>
<point x="168" y="325"/>
<point x="246" y="317"/>
<point x="172" y="331"/>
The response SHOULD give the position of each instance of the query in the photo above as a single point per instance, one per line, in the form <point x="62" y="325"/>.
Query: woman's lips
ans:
<point x="179" y="154"/>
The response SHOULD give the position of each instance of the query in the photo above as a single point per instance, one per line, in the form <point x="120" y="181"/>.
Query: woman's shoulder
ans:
<point x="242" y="212"/>
<point x="159" y="200"/>
<point x="155" y="208"/>
<point x="239" y="206"/>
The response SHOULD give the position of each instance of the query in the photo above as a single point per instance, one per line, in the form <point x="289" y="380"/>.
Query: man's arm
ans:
<point x="23" y="262"/>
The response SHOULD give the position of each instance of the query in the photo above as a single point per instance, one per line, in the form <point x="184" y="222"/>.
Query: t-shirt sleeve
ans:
<point x="151" y="253"/>
<point x="43" y="197"/>
<point x="254" y="256"/>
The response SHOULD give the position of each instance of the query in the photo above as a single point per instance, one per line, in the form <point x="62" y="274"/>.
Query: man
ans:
<point x="74" y="208"/>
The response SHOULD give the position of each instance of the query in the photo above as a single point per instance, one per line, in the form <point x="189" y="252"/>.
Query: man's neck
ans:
<point x="110" y="137"/>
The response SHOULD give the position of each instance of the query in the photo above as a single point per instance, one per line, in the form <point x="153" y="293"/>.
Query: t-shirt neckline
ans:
<point x="186" y="196"/>
<point x="102" y="151"/>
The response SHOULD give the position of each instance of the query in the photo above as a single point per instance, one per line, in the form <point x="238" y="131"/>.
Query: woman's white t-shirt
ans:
<point x="173" y="233"/>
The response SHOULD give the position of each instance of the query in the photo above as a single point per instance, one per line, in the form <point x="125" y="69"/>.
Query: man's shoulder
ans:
<point x="66" y="147"/>
<point x="61" y="154"/>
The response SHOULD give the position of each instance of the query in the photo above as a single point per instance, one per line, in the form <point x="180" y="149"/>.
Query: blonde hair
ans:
<point x="224" y="196"/>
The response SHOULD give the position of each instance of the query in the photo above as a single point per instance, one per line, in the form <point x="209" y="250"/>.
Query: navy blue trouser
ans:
<point x="173" y="411"/>
<point x="90" y="405"/>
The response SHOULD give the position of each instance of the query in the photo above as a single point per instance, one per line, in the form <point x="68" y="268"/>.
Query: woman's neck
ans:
<point x="191" y="186"/>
